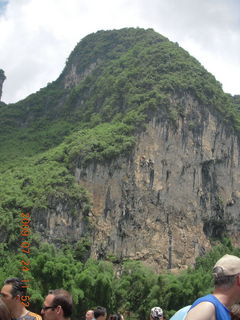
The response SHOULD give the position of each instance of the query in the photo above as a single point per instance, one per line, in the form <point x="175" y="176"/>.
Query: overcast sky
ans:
<point x="37" y="36"/>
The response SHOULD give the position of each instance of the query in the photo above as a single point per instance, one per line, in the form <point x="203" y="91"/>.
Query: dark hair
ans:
<point x="64" y="299"/>
<point x="235" y="311"/>
<point x="99" y="311"/>
<point x="221" y="280"/>
<point x="4" y="313"/>
<point x="115" y="316"/>
<point x="17" y="287"/>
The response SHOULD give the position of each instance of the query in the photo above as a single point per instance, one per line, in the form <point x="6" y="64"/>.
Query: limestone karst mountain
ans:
<point x="134" y="147"/>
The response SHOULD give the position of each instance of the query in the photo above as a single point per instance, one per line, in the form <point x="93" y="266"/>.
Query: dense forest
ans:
<point x="128" y="287"/>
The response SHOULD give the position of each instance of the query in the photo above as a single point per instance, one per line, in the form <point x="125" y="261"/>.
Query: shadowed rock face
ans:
<point x="179" y="189"/>
<point x="2" y="79"/>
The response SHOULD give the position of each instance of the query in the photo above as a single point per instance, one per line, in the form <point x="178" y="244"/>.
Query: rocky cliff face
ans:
<point x="179" y="188"/>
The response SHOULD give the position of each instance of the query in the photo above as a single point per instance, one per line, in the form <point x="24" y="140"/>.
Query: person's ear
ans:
<point x="59" y="309"/>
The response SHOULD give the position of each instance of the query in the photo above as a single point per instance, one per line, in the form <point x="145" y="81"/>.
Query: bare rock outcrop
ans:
<point x="179" y="189"/>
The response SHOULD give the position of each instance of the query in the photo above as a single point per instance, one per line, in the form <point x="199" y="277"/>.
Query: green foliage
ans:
<point x="236" y="102"/>
<point x="140" y="279"/>
<point x="82" y="250"/>
<point x="130" y="287"/>
<point x="104" y="142"/>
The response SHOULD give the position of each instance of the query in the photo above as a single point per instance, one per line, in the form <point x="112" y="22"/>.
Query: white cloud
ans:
<point x="208" y="30"/>
<point x="37" y="36"/>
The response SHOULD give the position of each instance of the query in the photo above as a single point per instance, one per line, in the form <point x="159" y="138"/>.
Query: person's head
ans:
<point x="116" y="316"/>
<point x="57" y="305"/>
<point x="4" y="313"/>
<point x="89" y="315"/>
<point x="226" y="271"/>
<point x="156" y="313"/>
<point x="12" y="291"/>
<point x="100" y="313"/>
<point x="235" y="312"/>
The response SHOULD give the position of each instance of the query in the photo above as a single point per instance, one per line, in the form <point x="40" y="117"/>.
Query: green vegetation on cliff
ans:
<point x="122" y="74"/>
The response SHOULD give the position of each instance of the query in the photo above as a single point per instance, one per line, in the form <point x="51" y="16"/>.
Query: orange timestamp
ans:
<point x="25" y="231"/>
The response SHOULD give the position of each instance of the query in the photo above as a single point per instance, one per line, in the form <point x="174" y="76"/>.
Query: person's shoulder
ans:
<point x="33" y="315"/>
<point x="203" y="311"/>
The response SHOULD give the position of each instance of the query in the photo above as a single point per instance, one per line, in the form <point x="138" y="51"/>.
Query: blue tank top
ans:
<point x="221" y="312"/>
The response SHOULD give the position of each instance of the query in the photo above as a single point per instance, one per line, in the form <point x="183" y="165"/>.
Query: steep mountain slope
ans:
<point x="135" y="147"/>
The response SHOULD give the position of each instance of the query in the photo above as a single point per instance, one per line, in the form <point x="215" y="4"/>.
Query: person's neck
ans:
<point x="228" y="298"/>
<point x="19" y="312"/>
<point x="62" y="318"/>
